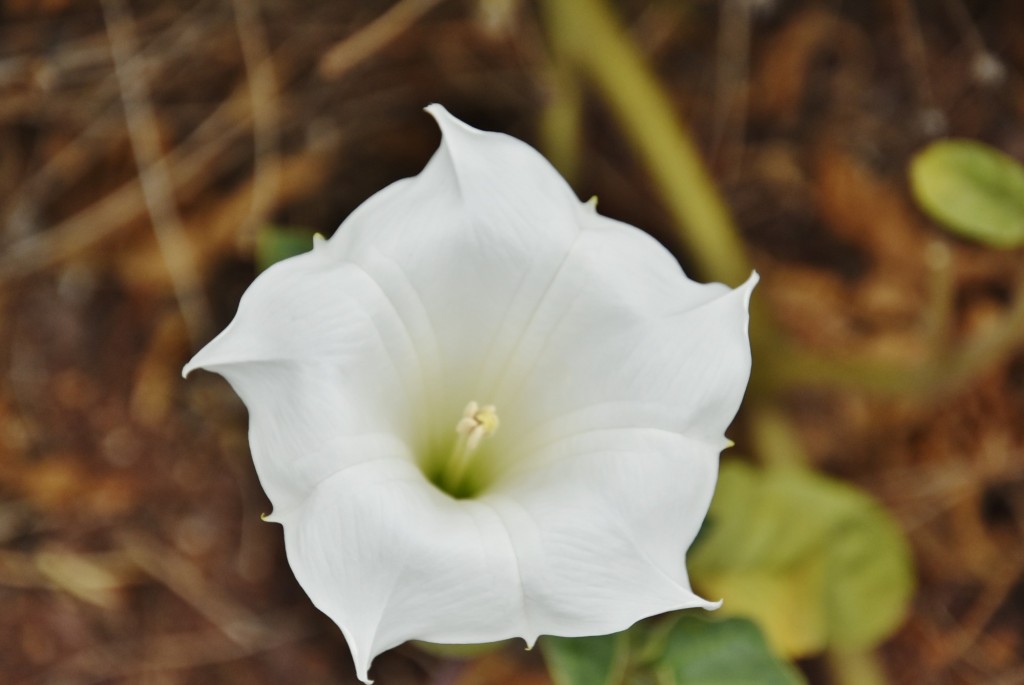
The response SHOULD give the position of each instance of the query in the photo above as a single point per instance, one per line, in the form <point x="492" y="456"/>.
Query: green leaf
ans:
<point x="816" y="562"/>
<point x="274" y="243"/>
<point x="972" y="189"/>
<point x="702" y="651"/>
<point x="600" y="660"/>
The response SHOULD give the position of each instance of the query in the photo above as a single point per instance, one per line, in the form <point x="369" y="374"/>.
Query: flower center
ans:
<point x="476" y="424"/>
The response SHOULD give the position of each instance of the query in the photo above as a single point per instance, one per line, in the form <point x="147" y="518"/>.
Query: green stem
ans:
<point x="856" y="668"/>
<point x="775" y="438"/>
<point x="586" y="33"/>
<point x="561" y="120"/>
<point x="784" y="364"/>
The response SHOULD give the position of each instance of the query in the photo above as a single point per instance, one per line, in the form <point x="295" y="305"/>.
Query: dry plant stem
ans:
<point x="372" y="37"/>
<point x="962" y="16"/>
<point x="102" y="123"/>
<point x="69" y="163"/>
<point x="157" y="186"/>
<point x="731" y="75"/>
<point x="263" y="95"/>
<point x="932" y="381"/>
<point x="984" y="609"/>
<point x="178" y="651"/>
<point x="585" y="32"/>
<point x="916" y="55"/>
<point x="189" y="164"/>
<point x="184" y="579"/>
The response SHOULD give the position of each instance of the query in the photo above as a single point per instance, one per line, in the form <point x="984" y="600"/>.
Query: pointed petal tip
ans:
<point x="362" y="665"/>
<point x="213" y="354"/>
<point x="747" y="290"/>
<point x="448" y="122"/>
<point x="436" y="110"/>
<point x="199" y="361"/>
<point x="748" y="286"/>
<point x="189" y="368"/>
<point x="691" y="600"/>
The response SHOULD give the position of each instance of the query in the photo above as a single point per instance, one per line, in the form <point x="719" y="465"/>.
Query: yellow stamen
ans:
<point x="476" y="424"/>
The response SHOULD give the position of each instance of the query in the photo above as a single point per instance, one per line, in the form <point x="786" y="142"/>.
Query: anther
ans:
<point x="476" y="424"/>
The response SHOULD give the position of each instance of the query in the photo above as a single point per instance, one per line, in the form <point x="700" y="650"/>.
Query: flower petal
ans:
<point x="390" y="558"/>
<point x="632" y="342"/>
<point x="682" y="371"/>
<point x="476" y="238"/>
<point x="566" y="549"/>
<point x="502" y="273"/>
<point x="602" y="527"/>
<point x="326" y="369"/>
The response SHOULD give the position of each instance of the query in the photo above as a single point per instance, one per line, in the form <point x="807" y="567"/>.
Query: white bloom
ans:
<point x="482" y="410"/>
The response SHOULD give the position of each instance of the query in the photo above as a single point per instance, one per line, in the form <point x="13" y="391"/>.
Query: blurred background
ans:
<point x="153" y="154"/>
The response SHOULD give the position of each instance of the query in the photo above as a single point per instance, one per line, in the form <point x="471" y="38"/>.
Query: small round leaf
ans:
<point x="971" y="189"/>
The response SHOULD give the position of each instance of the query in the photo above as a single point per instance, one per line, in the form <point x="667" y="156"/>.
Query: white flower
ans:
<point x="376" y="367"/>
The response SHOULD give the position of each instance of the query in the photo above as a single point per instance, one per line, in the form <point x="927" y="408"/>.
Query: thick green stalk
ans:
<point x="561" y="121"/>
<point x="856" y="668"/>
<point x="586" y="33"/>
<point x="932" y="380"/>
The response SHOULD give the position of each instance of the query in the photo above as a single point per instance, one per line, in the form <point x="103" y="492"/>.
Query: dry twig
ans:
<point x="154" y="176"/>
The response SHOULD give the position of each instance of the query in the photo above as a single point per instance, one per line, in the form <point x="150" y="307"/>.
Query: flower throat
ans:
<point x="476" y="425"/>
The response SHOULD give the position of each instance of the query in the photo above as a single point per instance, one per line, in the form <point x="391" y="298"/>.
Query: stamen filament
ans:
<point x="476" y="424"/>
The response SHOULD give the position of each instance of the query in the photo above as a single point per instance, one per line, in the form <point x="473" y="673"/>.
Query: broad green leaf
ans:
<point x="703" y="651"/>
<point x="816" y="562"/>
<point x="972" y="189"/>
<point x="797" y="625"/>
<point x="274" y="243"/>
<point x="600" y="660"/>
